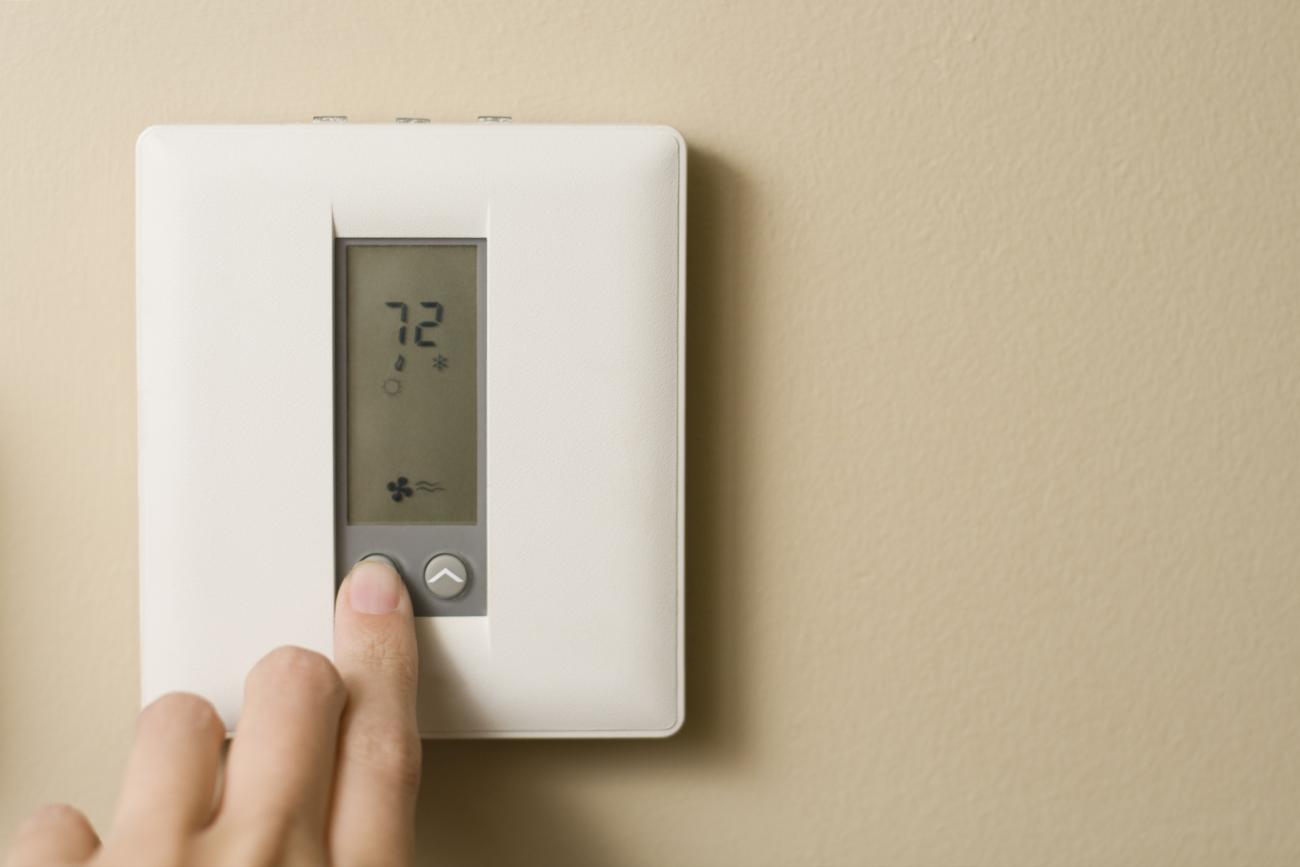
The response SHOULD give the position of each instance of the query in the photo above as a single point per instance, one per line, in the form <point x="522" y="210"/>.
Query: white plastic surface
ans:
<point x="585" y="313"/>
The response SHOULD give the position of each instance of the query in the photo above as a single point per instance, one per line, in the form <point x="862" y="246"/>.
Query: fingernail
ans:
<point x="374" y="588"/>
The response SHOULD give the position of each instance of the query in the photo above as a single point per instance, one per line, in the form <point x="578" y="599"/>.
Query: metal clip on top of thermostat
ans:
<point x="343" y="118"/>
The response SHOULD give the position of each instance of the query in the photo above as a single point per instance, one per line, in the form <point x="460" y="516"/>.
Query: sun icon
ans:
<point x="392" y="386"/>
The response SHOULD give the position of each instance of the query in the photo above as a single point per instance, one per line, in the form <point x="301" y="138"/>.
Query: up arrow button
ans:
<point x="446" y="576"/>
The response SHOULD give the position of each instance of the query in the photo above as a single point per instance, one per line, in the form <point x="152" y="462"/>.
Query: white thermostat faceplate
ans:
<point x="517" y="293"/>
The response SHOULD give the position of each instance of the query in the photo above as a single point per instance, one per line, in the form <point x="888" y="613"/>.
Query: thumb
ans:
<point x="372" y="819"/>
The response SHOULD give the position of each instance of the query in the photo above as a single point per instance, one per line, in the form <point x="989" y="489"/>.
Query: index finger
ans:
<point x="378" y="772"/>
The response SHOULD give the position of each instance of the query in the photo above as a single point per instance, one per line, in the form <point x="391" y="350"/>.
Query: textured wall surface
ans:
<point x="994" y="400"/>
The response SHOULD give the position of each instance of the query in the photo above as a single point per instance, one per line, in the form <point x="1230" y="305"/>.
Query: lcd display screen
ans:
<point x="410" y="340"/>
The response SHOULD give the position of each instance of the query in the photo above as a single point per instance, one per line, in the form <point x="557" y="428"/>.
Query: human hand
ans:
<point x="323" y="768"/>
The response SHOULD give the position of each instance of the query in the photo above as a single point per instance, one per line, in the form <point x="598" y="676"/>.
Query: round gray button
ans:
<point x="382" y="558"/>
<point x="446" y="576"/>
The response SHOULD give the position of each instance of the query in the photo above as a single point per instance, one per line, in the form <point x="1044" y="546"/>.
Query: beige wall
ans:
<point x="994" y="407"/>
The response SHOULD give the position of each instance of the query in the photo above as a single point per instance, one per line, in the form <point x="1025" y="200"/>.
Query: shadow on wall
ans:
<point x="503" y="803"/>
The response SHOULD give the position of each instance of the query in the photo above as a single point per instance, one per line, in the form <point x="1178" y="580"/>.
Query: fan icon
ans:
<point x="400" y="489"/>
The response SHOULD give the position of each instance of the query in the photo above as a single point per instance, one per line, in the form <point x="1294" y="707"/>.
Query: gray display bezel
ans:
<point x="411" y="546"/>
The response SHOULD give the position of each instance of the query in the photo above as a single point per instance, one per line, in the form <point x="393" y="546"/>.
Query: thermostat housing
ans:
<point x="458" y="347"/>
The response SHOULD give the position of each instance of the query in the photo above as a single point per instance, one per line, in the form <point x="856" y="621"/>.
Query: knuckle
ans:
<point x="389" y="751"/>
<point x="52" y="816"/>
<point x="145" y="849"/>
<point x="379" y="652"/>
<point x="182" y="709"/>
<point x="258" y="839"/>
<point x="296" y="669"/>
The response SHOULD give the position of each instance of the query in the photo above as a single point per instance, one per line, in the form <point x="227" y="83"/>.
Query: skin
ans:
<point x="323" y="767"/>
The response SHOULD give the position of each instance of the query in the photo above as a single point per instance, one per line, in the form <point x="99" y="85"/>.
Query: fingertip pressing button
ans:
<point x="381" y="558"/>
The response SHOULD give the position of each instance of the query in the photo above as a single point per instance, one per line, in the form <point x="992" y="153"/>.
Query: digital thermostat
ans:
<point x="458" y="348"/>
